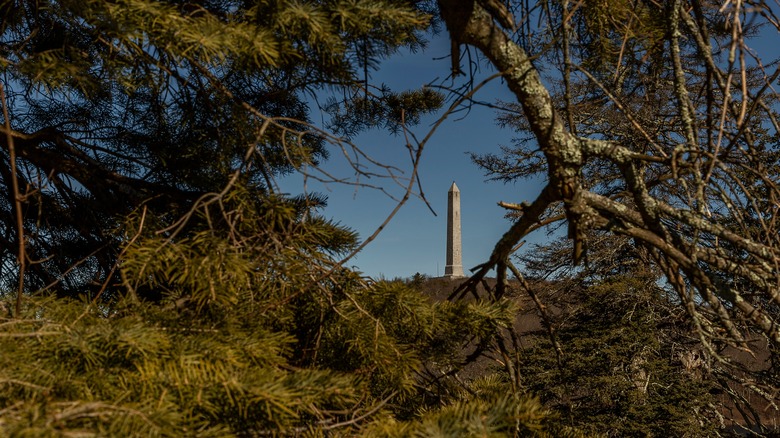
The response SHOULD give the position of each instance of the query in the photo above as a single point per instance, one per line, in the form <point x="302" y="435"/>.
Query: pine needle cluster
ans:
<point x="242" y="325"/>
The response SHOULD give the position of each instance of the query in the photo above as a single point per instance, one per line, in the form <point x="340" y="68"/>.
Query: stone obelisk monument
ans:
<point x="454" y="267"/>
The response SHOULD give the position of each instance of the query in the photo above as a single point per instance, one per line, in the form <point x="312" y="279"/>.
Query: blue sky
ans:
<point x="414" y="241"/>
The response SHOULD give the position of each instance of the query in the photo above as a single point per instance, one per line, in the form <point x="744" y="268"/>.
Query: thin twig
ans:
<point x="17" y="197"/>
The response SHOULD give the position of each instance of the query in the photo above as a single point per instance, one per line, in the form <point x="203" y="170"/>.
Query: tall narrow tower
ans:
<point x="454" y="267"/>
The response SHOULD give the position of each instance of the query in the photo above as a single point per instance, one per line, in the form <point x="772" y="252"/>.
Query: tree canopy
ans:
<point x="659" y="124"/>
<point x="141" y="145"/>
<point x="114" y="105"/>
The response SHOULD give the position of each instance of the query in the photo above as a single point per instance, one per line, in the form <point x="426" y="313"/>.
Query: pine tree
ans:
<point x="141" y="144"/>
<point x="631" y="365"/>
<point x="631" y="117"/>
<point x="142" y="141"/>
<point x="255" y="333"/>
<point x="114" y="107"/>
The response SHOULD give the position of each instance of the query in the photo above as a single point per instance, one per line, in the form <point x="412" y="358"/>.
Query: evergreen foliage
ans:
<point x="174" y="291"/>
<point x="194" y="299"/>
<point x="244" y="342"/>
<point x="117" y="104"/>
<point x="623" y="373"/>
